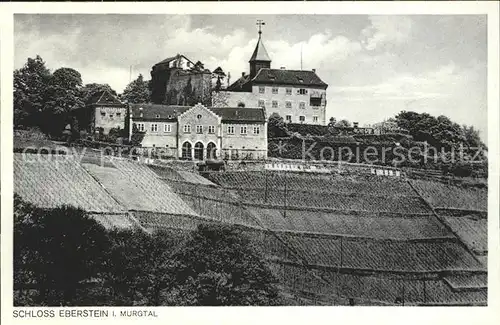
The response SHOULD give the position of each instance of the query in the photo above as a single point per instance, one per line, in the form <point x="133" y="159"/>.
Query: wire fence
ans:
<point x="305" y="282"/>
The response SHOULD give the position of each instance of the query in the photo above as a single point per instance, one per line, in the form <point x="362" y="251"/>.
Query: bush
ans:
<point x="305" y="129"/>
<point x="62" y="257"/>
<point x="56" y="250"/>
<point x="219" y="266"/>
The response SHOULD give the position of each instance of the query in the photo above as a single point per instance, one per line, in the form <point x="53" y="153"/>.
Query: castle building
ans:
<point x="201" y="133"/>
<point x="179" y="81"/>
<point x="299" y="96"/>
<point x="105" y="112"/>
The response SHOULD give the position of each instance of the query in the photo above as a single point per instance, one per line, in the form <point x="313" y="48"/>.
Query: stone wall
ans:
<point x="159" y="78"/>
<point x="188" y="88"/>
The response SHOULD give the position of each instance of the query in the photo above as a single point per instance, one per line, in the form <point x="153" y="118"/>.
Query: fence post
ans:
<point x="425" y="292"/>
<point x="403" y="302"/>
<point x="285" y="194"/>
<point x="341" y="252"/>
<point x="266" y="192"/>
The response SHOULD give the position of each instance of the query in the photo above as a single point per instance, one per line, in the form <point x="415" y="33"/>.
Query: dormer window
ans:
<point x="157" y="115"/>
<point x="198" y="116"/>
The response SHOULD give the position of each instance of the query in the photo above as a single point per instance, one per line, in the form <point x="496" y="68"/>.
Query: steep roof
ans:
<point x="260" y="52"/>
<point x="171" y="112"/>
<point x="240" y="114"/>
<point x="219" y="71"/>
<point x="167" y="60"/>
<point x="172" y="58"/>
<point x="289" y="77"/>
<point x="104" y="97"/>
<point x="239" y="84"/>
<point x="157" y="111"/>
<point x="278" y="77"/>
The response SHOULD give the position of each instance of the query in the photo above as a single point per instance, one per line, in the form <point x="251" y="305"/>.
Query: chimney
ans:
<point x="242" y="74"/>
<point x="283" y="68"/>
<point x="314" y="70"/>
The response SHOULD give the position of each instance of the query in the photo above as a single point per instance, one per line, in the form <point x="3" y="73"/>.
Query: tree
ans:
<point x="218" y="85"/>
<point x="30" y="86"/>
<point x="64" y="101"/>
<point x="343" y="124"/>
<point x="90" y="89"/>
<point x="161" y="266"/>
<point x="219" y="266"/>
<point x="137" y="136"/>
<point x="472" y="137"/>
<point x="57" y="250"/>
<point x="276" y="126"/>
<point x="137" y="91"/>
<point x="127" y="268"/>
<point x="439" y="132"/>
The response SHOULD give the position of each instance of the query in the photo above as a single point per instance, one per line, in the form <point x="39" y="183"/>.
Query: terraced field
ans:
<point x="336" y="201"/>
<point x="369" y="238"/>
<point x="51" y="181"/>
<point x="136" y="187"/>
<point x="472" y="230"/>
<point x="275" y="181"/>
<point x="376" y="289"/>
<point x="152" y="221"/>
<point x="115" y="221"/>
<point x="446" y="196"/>
<point x="294" y="190"/>
<point x="395" y="256"/>
<point x="463" y="210"/>
<point x="373" y="224"/>
<point x="354" y="225"/>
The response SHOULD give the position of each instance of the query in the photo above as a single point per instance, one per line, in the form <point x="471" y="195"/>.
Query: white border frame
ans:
<point x="245" y="315"/>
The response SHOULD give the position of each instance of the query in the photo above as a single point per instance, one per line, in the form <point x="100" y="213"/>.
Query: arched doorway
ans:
<point x="198" y="151"/>
<point x="186" y="151"/>
<point x="211" y="150"/>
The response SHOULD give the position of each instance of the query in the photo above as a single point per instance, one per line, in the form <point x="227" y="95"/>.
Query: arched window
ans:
<point x="198" y="151"/>
<point x="186" y="150"/>
<point x="211" y="151"/>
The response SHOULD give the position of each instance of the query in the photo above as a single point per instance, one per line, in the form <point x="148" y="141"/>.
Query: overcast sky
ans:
<point x="375" y="66"/>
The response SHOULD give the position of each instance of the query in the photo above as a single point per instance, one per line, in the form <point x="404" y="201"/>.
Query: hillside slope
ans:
<point x="329" y="238"/>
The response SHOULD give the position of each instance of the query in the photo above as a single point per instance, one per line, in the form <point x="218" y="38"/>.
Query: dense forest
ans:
<point x="429" y="142"/>
<point x="63" y="257"/>
<point x="54" y="102"/>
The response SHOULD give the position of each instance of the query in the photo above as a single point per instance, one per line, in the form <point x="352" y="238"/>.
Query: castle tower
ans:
<point x="260" y="59"/>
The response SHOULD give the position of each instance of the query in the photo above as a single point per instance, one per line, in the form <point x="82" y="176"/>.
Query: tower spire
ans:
<point x="260" y="23"/>
<point x="260" y="58"/>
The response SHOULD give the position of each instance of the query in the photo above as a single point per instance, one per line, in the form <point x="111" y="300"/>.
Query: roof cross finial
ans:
<point x="260" y="22"/>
